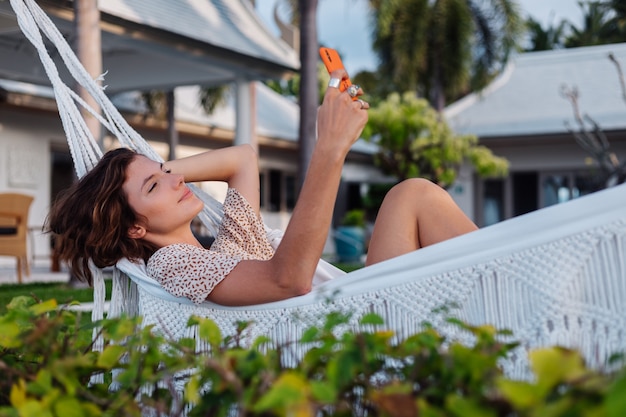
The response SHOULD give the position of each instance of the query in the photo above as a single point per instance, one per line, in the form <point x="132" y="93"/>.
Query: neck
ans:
<point x="182" y="236"/>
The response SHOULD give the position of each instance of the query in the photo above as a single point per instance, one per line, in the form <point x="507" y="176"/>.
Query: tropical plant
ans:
<point x="209" y="97"/>
<point x="552" y="37"/>
<point x="354" y="217"/>
<point x="415" y="142"/>
<point x="603" y="22"/>
<point x="443" y="49"/>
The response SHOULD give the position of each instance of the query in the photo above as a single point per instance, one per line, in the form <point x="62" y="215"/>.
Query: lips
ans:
<point x="186" y="194"/>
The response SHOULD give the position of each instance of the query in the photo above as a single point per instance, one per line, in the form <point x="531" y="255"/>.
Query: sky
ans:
<point x="344" y="25"/>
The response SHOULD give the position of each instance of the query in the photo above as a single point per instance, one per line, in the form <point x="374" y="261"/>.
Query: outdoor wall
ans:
<point x="25" y="141"/>
<point x="462" y="191"/>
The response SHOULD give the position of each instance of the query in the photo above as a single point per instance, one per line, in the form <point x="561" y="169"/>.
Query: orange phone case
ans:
<point x="332" y="61"/>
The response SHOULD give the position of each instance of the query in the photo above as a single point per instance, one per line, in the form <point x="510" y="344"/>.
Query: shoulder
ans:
<point x="185" y="260"/>
<point x="189" y="271"/>
<point x="235" y="200"/>
<point x="174" y="253"/>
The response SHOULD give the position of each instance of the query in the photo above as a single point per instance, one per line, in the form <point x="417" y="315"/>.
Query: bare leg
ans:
<point x="414" y="214"/>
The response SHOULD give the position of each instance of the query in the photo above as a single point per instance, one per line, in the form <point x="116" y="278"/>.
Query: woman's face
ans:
<point x="163" y="200"/>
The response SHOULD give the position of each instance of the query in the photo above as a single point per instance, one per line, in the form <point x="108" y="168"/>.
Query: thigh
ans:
<point x="414" y="214"/>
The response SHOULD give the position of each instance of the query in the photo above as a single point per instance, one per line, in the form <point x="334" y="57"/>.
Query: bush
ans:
<point x="47" y="364"/>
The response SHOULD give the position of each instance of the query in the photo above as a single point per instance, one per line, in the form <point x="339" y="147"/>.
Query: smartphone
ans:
<point x="332" y="61"/>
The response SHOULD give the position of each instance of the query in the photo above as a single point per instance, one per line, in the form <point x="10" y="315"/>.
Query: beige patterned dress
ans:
<point x="189" y="271"/>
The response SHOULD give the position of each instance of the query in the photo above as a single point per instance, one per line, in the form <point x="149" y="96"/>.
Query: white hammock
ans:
<point x="554" y="277"/>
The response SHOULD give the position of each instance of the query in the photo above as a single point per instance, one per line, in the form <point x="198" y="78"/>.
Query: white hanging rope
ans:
<point x="83" y="146"/>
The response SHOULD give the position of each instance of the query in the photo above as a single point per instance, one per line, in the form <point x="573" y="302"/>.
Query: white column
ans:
<point x="89" y="52"/>
<point x="245" y="113"/>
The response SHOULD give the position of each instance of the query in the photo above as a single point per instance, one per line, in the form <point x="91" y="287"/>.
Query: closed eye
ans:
<point x="152" y="186"/>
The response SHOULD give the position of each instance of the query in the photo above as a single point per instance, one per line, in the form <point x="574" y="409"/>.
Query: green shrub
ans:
<point x="47" y="365"/>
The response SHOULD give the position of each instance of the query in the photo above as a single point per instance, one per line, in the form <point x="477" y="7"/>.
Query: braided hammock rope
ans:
<point x="556" y="276"/>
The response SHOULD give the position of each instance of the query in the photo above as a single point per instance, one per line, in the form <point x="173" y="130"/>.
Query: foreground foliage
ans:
<point x="47" y="365"/>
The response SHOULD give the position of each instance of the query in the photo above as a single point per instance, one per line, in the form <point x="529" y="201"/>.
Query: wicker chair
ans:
<point x="14" y="229"/>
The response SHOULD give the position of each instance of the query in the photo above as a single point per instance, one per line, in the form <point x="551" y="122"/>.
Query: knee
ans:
<point x="416" y="189"/>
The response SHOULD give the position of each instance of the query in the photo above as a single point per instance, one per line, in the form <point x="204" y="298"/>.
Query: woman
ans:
<point x="130" y="206"/>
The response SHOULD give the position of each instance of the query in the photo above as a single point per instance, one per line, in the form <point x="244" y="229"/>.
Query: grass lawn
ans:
<point x="62" y="292"/>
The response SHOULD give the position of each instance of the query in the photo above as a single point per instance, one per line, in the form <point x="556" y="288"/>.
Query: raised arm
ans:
<point x="236" y="165"/>
<point x="290" y="272"/>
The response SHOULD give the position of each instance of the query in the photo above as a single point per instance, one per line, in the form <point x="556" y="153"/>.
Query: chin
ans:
<point x="200" y="205"/>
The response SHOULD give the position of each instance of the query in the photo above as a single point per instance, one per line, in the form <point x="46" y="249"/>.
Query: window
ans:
<point x="278" y="190"/>
<point x="290" y="191"/>
<point x="493" y="203"/>
<point x="560" y="187"/>
<point x="275" y="190"/>
<point x="524" y="192"/>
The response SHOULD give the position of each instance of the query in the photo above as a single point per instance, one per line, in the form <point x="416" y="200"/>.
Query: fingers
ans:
<point x="341" y="118"/>
<point x="362" y="104"/>
<point x="337" y="77"/>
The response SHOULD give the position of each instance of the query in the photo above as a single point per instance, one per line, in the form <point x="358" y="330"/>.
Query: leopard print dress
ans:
<point x="189" y="271"/>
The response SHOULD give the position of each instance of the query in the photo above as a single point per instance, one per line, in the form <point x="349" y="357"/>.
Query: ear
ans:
<point x="136" y="232"/>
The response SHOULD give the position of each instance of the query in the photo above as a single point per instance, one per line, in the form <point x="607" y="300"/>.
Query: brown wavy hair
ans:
<point x="90" y="220"/>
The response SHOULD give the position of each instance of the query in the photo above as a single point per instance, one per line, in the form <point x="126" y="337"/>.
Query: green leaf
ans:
<point x="615" y="400"/>
<point x="192" y="390"/>
<point x="467" y="407"/>
<point x="42" y="383"/>
<point x="91" y="410"/>
<point x="68" y="407"/>
<point x="110" y="356"/>
<point x="522" y="395"/>
<point x="209" y="332"/>
<point x="556" y="365"/>
<point x="323" y="392"/>
<point x="428" y="410"/>
<point x="372" y="319"/>
<point x="43" y="307"/>
<point x="18" y="394"/>
<point x="21" y="302"/>
<point x="289" y="393"/>
<point x="9" y="334"/>
<point x="120" y="329"/>
<point x="261" y="341"/>
<point x="341" y="368"/>
<point x="309" y="335"/>
<point x="32" y="408"/>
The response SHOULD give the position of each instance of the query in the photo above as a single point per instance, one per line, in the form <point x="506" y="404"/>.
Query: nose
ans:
<point x="178" y="180"/>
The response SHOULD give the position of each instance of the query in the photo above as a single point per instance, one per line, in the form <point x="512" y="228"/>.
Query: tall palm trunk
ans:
<point x="309" y="96"/>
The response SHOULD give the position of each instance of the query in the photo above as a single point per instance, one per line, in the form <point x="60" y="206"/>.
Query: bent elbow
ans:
<point x="294" y="287"/>
<point x="249" y="154"/>
<point x="302" y="290"/>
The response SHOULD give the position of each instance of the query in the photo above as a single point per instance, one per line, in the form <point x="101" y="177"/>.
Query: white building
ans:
<point x="524" y="117"/>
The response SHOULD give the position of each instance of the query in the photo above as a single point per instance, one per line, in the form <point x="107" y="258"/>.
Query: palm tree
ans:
<point x="552" y="37"/>
<point x="442" y="49"/>
<point x="309" y="95"/>
<point x="302" y="14"/>
<point x="603" y="23"/>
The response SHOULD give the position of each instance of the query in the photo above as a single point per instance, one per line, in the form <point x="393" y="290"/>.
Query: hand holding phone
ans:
<point x="332" y="61"/>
